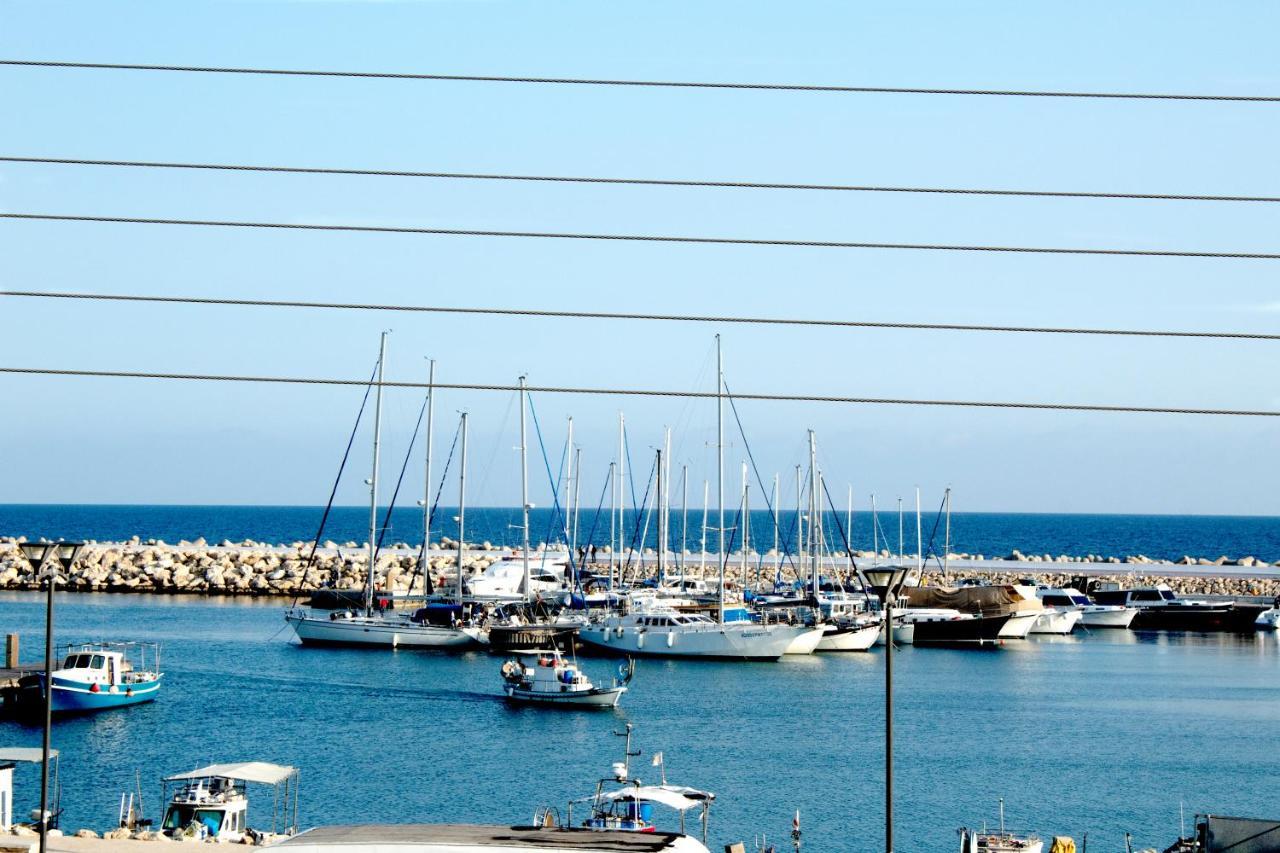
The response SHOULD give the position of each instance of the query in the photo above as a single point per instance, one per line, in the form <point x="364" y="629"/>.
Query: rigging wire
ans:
<point x="666" y="84"/>
<point x="650" y="392"/>
<point x="636" y="182"/>
<point x="645" y="238"/>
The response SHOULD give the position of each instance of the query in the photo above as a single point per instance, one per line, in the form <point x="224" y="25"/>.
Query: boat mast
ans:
<point x="848" y="519"/>
<point x="814" y="528"/>
<point x="801" y="547"/>
<point x="622" y="496"/>
<point x="946" y="557"/>
<point x="373" y="481"/>
<point x="776" y="555"/>
<point x="746" y="524"/>
<point x="919" y="535"/>
<point x="462" y="504"/>
<point x="577" y="493"/>
<point x="902" y="550"/>
<point x="706" y="503"/>
<point x="684" y="520"/>
<point x="613" y="517"/>
<point x="568" y="490"/>
<point x="875" y="533"/>
<point x="426" y="504"/>
<point x="524" y="493"/>
<point x="666" y="500"/>
<point x="662" y="531"/>
<point x="719" y="471"/>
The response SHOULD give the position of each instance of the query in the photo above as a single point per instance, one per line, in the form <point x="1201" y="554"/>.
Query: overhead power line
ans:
<point x="640" y="182"/>
<point x="666" y="84"/>
<point x="644" y="238"/>
<point x="622" y="315"/>
<point x="637" y="392"/>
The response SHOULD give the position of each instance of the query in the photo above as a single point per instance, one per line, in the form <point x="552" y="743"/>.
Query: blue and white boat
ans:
<point x="94" y="677"/>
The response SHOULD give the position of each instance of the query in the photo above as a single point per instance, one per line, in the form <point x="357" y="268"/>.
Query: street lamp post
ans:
<point x="886" y="582"/>
<point x="37" y="554"/>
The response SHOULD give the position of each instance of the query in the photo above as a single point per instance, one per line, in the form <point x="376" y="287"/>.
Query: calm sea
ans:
<point x="990" y="534"/>
<point x="1101" y="734"/>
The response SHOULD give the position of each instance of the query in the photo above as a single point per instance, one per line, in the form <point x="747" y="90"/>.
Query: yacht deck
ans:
<point x="498" y="837"/>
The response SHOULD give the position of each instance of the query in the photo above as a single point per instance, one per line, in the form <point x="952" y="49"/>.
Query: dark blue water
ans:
<point x="1104" y="734"/>
<point x="990" y="534"/>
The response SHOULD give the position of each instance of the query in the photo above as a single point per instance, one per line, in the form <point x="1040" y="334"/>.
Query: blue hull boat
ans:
<point x="93" y="677"/>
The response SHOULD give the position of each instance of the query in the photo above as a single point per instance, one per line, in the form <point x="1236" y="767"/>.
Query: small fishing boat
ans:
<point x="551" y="680"/>
<point x="211" y="803"/>
<point x="95" y="677"/>
<point x="1003" y="841"/>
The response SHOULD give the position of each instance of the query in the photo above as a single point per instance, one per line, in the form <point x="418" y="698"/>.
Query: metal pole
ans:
<point x="48" y="711"/>
<point x="462" y="504"/>
<point x="814" y="510"/>
<point x="662" y="530"/>
<point x="888" y="720"/>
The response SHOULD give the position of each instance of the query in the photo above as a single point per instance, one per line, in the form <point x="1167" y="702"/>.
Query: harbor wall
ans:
<point x="261" y="569"/>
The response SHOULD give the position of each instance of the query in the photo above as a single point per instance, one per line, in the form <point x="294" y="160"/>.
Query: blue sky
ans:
<point x="99" y="440"/>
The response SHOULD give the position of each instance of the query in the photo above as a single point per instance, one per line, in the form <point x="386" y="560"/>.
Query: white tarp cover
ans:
<point x="25" y="754"/>
<point x="679" y="802"/>
<point x="245" y="771"/>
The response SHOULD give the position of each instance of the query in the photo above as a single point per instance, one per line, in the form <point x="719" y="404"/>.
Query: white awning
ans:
<point x="654" y="794"/>
<point x="245" y="771"/>
<point x="25" y="754"/>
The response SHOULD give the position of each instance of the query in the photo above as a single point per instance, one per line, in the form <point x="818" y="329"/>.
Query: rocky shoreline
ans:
<point x="261" y="569"/>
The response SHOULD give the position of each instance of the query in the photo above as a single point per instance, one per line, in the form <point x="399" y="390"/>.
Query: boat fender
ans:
<point x="620" y="632"/>
<point x="671" y="639"/>
<point x="94" y="688"/>
<point x="640" y="640"/>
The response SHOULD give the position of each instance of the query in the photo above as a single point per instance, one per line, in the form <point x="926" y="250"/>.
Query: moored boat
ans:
<point x="211" y="803"/>
<point x="999" y="841"/>
<point x="1161" y="609"/>
<point x="95" y="677"/>
<point x="552" y="681"/>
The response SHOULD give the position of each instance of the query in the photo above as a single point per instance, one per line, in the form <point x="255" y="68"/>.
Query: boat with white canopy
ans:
<point x="211" y="803"/>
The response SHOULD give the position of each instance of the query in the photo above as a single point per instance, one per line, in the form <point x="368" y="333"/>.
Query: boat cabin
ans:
<point x="98" y="667"/>
<point x="212" y="807"/>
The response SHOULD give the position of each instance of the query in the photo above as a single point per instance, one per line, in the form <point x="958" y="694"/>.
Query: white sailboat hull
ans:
<point x="746" y="641"/>
<point x="852" y="639"/>
<point x="376" y="631"/>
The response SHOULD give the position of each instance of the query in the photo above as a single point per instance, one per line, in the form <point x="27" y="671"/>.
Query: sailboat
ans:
<point x="437" y="626"/>
<point x="659" y="630"/>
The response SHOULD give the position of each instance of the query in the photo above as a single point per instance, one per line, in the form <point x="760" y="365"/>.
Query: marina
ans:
<point x="231" y="667"/>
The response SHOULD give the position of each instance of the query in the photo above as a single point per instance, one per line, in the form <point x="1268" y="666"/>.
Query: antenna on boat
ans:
<point x="627" y="753"/>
